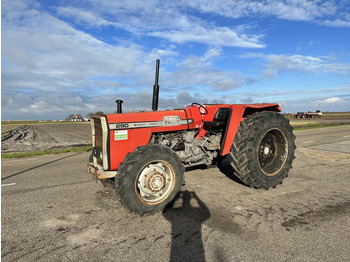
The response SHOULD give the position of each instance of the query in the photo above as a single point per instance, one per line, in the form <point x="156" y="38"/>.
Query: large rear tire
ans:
<point x="149" y="179"/>
<point x="263" y="150"/>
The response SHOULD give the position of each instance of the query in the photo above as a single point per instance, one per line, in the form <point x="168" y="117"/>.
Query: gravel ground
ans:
<point x="321" y="121"/>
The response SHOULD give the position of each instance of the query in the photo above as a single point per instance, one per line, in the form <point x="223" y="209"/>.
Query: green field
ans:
<point x="337" y="115"/>
<point x="47" y="152"/>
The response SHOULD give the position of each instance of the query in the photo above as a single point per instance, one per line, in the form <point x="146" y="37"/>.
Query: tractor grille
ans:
<point x="98" y="145"/>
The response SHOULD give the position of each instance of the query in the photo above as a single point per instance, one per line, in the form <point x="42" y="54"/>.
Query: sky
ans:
<point x="77" y="57"/>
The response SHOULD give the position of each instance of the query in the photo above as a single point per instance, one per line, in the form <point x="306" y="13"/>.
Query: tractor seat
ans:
<point x="220" y="118"/>
<point x="214" y="123"/>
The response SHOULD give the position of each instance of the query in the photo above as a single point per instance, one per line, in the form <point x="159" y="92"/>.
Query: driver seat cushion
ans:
<point x="220" y="118"/>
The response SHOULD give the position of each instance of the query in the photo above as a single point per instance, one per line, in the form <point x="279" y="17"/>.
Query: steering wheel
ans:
<point x="199" y="107"/>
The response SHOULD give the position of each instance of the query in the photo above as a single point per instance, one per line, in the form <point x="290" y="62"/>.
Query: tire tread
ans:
<point x="242" y="149"/>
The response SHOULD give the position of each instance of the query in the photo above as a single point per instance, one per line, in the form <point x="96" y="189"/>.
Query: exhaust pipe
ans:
<point x="156" y="88"/>
<point x="119" y="106"/>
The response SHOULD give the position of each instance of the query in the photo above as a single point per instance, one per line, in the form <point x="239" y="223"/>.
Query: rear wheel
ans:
<point x="263" y="150"/>
<point x="149" y="179"/>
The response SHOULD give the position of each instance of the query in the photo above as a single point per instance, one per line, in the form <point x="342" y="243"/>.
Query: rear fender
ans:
<point x="237" y="114"/>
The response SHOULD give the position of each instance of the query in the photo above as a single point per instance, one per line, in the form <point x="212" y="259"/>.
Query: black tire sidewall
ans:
<point x="132" y="167"/>
<point x="257" y="138"/>
<point x="247" y="143"/>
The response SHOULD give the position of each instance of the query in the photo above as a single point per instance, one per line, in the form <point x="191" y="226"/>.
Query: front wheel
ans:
<point x="149" y="179"/>
<point x="263" y="150"/>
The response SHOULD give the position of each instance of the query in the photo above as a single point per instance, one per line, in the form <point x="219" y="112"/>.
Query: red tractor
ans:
<point x="146" y="153"/>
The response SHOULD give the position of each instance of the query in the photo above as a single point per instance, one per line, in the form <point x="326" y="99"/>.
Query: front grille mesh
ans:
<point x="98" y="138"/>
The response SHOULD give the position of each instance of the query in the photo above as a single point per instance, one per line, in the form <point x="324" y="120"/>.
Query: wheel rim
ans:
<point x="273" y="150"/>
<point x="155" y="182"/>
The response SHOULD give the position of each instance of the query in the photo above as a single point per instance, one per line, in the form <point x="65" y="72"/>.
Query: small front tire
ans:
<point x="149" y="179"/>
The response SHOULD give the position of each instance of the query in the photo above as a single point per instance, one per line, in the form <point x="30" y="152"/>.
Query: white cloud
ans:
<point x="22" y="106"/>
<point x="196" y="70"/>
<point x="84" y="17"/>
<point x="332" y="101"/>
<point x="169" y="22"/>
<point x="45" y="60"/>
<point x="328" y="13"/>
<point x="294" y="63"/>
<point x="302" y="64"/>
<point x="43" y="53"/>
<point x="218" y="36"/>
<point x="301" y="10"/>
<point x="337" y="23"/>
<point x="211" y="54"/>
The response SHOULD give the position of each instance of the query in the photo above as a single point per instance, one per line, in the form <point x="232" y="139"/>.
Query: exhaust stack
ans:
<point x="156" y="88"/>
<point x="119" y="106"/>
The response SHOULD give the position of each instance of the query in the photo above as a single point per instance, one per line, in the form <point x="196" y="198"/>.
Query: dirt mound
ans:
<point x="27" y="138"/>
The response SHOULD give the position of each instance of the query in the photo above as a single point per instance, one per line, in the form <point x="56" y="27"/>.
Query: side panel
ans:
<point x="125" y="141"/>
<point x="237" y="114"/>
<point x="130" y="130"/>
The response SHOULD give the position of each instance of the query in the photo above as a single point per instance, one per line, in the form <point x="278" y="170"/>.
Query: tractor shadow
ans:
<point x="225" y="168"/>
<point x="186" y="215"/>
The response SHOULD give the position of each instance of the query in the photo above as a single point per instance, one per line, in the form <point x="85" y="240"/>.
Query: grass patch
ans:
<point x="317" y="126"/>
<point x="336" y="115"/>
<point x="47" y="152"/>
<point x="304" y="123"/>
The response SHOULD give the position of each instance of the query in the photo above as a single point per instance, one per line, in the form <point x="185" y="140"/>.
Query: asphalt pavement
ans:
<point x="52" y="210"/>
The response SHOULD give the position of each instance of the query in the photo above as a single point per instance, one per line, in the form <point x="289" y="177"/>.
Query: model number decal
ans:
<point x="167" y="121"/>
<point x="120" y="135"/>
<point x="121" y="125"/>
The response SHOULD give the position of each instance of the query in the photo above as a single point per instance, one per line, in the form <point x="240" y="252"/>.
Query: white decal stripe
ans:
<point x="147" y="124"/>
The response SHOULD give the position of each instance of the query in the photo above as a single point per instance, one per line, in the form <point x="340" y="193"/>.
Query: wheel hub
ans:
<point x="272" y="152"/>
<point x="155" y="181"/>
<point x="267" y="151"/>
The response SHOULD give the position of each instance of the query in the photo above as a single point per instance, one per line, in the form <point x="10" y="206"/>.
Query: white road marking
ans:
<point x="12" y="184"/>
<point x="306" y="142"/>
<point x="346" y="136"/>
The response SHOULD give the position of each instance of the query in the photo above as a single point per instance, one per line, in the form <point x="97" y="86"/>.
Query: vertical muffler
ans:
<point x="156" y="88"/>
<point x="119" y="106"/>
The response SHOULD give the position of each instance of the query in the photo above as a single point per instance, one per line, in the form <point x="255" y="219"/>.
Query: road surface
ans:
<point x="53" y="211"/>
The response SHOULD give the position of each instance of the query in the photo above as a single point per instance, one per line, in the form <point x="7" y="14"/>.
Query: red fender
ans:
<point x="237" y="114"/>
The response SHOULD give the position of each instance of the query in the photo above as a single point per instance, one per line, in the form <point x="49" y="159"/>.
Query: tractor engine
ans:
<point x="191" y="151"/>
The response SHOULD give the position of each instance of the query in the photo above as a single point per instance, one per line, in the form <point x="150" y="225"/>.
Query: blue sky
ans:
<point x="68" y="57"/>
